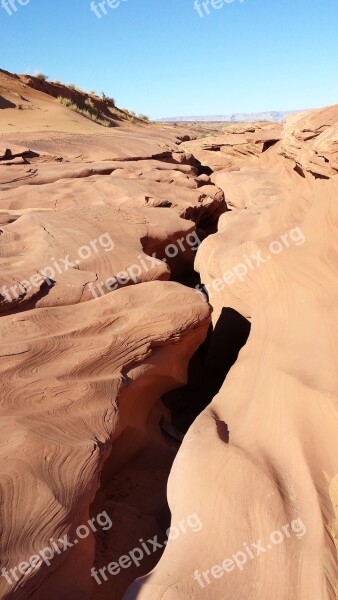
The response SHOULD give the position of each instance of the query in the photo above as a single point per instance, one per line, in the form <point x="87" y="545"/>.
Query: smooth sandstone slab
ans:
<point x="259" y="185"/>
<point x="151" y="184"/>
<point x="74" y="378"/>
<point x="264" y="454"/>
<point x="60" y="257"/>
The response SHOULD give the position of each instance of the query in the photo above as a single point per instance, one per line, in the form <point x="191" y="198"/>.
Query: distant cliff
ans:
<point x="238" y="117"/>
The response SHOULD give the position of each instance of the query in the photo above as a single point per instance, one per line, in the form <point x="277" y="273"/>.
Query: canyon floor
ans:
<point x="168" y="342"/>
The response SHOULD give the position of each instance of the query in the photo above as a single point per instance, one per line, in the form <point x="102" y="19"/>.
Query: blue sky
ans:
<point x="159" y="57"/>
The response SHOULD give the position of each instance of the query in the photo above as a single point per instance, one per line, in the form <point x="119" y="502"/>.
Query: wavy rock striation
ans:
<point x="90" y="421"/>
<point x="260" y="465"/>
<point x="74" y="379"/>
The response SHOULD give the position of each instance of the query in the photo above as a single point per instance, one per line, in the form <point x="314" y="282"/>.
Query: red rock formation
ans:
<point x="260" y="465"/>
<point x="90" y="422"/>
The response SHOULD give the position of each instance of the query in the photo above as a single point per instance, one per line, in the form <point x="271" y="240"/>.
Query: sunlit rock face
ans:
<point x="168" y="355"/>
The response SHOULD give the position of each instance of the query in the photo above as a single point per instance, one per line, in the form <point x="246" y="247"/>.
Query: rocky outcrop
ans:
<point x="259" y="466"/>
<point x="311" y="140"/>
<point x="109" y="354"/>
<point x="238" y="142"/>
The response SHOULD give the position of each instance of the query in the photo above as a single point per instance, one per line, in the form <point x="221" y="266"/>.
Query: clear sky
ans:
<point x="159" y="57"/>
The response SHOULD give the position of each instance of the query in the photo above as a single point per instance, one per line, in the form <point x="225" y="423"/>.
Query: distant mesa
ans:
<point x="278" y="116"/>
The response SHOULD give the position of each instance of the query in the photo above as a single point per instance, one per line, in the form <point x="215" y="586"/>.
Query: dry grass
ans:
<point x="41" y="77"/>
<point x="88" y="113"/>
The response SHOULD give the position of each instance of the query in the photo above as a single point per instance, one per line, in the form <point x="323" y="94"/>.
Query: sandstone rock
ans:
<point x="311" y="140"/>
<point x="226" y="151"/>
<point x="98" y="390"/>
<point x="88" y="373"/>
<point x="67" y="257"/>
<point x="272" y="428"/>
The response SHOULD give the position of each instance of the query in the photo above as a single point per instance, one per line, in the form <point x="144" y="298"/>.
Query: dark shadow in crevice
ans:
<point x="8" y="155"/>
<point x="4" y="103"/>
<point x="16" y="307"/>
<point x="269" y="144"/>
<point x="299" y="171"/>
<point x="222" y="431"/>
<point x="319" y="175"/>
<point x="229" y="336"/>
<point x="208" y="369"/>
<point x="203" y="169"/>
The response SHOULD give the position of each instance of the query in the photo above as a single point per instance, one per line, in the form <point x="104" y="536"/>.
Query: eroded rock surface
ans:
<point x="260" y="464"/>
<point x="74" y="379"/>
<point x="94" y="224"/>
<point x="311" y="140"/>
<point x="90" y="421"/>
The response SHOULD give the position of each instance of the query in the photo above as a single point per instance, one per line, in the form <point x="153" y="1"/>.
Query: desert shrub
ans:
<point x="107" y="99"/>
<point x="114" y="111"/>
<point x="41" y="77"/>
<point x="65" y="101"/>
<point x="92" y="115"/>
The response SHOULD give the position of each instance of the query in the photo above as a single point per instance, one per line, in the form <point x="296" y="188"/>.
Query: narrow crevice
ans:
<point x="298" y="169"/>
<point x="133" y="487"/>
<point x="19" y="307"/>
<point x="319" y="175"/>
<point x="203" y="169"/>
<point x="269" y="144"/>
<point x="208" y="369"/>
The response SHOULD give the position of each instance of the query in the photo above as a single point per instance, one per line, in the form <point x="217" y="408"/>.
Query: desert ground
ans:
<point x="168" y="303"/>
